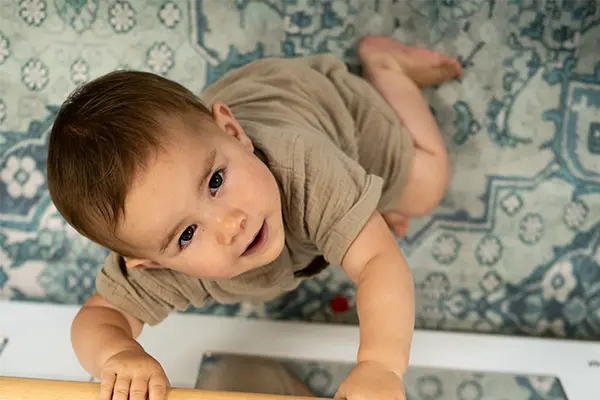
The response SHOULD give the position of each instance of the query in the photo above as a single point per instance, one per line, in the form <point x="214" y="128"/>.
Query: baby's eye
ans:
<point x="187" y="236"/>
<point x="216" y="180"/>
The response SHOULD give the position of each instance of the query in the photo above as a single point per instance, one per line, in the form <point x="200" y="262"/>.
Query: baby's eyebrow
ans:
<point x="208" y="164"/>
<point x="169" y="238"/>
<point x="207" y="167"/>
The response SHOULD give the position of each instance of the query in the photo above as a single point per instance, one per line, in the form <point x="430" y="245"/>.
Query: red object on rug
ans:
<point x="339" y="304"/>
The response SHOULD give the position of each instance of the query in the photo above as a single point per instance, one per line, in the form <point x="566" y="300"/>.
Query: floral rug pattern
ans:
<point x="513" y="248"/>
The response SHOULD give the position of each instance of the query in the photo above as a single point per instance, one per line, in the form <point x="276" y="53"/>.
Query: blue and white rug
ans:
<point x="515" y="245"/>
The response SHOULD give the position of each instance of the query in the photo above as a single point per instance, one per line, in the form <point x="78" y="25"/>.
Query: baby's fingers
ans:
<point x="107" y="383"/>
<point x="340" y="394"/>
<point x="138" y="389"/>
<point x="121" y="389"/>
<point x="158" y="387"/>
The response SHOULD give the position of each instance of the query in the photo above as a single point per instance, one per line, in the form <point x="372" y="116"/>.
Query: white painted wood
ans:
<point x="39" y="347"/>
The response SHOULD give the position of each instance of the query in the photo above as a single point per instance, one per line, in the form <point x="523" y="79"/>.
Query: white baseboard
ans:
<point x="39" y="347"/>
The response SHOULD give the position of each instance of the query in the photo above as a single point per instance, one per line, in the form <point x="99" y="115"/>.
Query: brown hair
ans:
<point x="103" y="134"/>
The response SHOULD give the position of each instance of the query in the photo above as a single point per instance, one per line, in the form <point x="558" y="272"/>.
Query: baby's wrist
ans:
<point x="388" y="360"/>
<point x="128" y="345"/>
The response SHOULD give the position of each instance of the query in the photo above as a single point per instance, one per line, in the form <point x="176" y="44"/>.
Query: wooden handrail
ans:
<point x="45" y="389"/>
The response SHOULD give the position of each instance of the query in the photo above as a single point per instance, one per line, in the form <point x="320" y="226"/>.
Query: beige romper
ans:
<point x="338" y="153"/>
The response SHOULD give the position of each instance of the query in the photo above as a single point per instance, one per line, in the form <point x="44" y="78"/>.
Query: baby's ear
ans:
<point x="140" y="263"/>
<point x="225" y="120"/>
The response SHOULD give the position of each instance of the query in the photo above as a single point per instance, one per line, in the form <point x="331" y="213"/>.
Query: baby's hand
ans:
<point x="370" y="380"/>
<point x="132" y="374"/>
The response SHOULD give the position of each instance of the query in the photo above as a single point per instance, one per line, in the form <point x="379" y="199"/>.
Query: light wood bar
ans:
<point x="12" y="388"/>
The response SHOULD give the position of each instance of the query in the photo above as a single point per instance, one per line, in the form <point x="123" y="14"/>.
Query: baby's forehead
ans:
<point x="185" y="122"/>
<point x="165" y="187"/>
<point x="142" y="234"/>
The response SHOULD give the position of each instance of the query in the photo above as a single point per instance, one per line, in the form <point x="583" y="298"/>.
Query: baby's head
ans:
<point x="139" y="165"/>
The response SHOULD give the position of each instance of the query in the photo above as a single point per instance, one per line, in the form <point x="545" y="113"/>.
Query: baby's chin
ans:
<point x="275" y="249"/>
<point x="277" y="246"/>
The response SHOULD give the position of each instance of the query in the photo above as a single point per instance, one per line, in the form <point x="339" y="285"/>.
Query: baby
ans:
<point x="282" y="167"/>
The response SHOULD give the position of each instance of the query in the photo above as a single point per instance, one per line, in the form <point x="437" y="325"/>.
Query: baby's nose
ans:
<point x="230" y="224"/>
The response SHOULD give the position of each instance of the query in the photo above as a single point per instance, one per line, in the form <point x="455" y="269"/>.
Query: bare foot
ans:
<point x="424" y="67"/>
<point x="396" y="222"/>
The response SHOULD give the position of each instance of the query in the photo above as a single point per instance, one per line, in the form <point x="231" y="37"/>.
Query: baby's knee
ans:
<point x="439" y="182"/>
<point x="445" y="174"/>
<point x="432" y="185"/>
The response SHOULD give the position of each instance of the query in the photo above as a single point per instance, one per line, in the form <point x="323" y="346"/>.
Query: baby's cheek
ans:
<point x="209" y="263"/>
<point x="268" y="185"/>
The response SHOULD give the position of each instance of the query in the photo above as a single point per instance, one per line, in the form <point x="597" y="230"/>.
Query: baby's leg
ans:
<point x="398" y="72"/>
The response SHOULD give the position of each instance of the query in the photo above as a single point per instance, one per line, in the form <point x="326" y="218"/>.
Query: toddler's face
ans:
<point x="206" y="206"/>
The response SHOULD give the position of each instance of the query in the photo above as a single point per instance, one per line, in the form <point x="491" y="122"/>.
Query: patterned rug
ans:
<point x="514" y="247"/>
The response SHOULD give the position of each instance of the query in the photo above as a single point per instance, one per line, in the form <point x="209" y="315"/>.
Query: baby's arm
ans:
<point x="104" y="341"/>
<point x="385" y="303"/>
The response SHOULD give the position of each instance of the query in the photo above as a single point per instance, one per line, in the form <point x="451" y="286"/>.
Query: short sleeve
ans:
<point x="334" y="194"/>
<point x="147" y="294"/>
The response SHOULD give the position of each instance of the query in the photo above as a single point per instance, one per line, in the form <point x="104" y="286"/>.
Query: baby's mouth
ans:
<point x="258" y="241"/>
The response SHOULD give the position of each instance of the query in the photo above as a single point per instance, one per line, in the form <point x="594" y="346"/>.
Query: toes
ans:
<point x="453" y="66"/>
<point x="400" y="229"/>
<point x="396" y="222"/>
